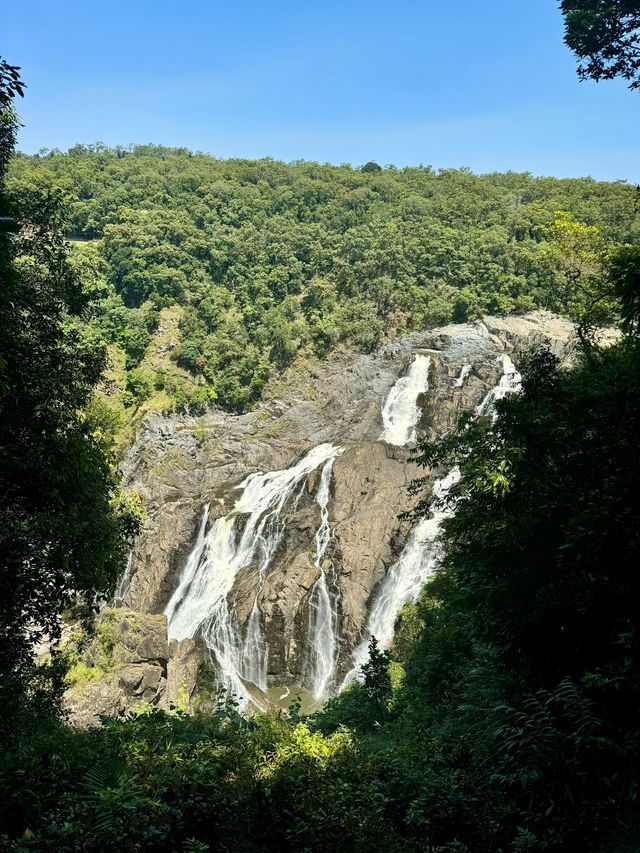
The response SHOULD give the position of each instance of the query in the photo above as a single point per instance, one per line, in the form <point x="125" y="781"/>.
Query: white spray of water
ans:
<point x="200" y="602"/>
<point x="189" y="575"/>
<point x="400" y="413"/>
<point x="322" y="637"/>
<point x="253" y="662"/>
<point x="464" y="373"/>
<point x="422" y="553"/>
<point x="124" y="584"/>
<point x="509" y="383"/>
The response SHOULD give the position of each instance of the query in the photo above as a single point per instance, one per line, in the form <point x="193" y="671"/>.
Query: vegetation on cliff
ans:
<point x="505" y="716"/>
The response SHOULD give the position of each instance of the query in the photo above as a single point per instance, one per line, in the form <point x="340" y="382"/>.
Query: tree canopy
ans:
<point x="63" y="519"/>
<point x="505" y="714"/>
<point x="605" y="35"/>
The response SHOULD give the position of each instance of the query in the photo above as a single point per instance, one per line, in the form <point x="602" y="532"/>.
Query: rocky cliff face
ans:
<point x="181" y="464"/>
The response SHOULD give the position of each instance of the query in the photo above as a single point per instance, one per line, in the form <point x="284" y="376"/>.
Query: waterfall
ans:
<point x="406" y="578"/>
<point x="419" y="557"/>
<point x="400" y="413"/>
<point x="422" y="553"/>
<point x="200" y="602"/>
<point x="509" y="383"/>
<point x="254" y="651"/>
<point x="187" y="578"/>
<point x="464" y="373"/>
<point x="323" y="534"/>
<point x="322" y="639"/>
<point x="122" y="588"/>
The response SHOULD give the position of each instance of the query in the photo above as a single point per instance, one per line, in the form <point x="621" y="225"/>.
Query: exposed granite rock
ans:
<point x="187" y="662"/>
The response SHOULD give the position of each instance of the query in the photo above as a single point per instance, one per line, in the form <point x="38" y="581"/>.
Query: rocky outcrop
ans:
<point x="180" y="463"/>
<point x="124" y="664"/>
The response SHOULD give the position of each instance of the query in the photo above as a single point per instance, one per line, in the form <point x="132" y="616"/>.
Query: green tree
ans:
<point x="139" y="385"/>
<point x="605" y="35"/>
<point x="624" y="279"/>
<point x="261" y="262"/>
<point x="377" y="680"/>
<point x="63" y="521"/>
<point x="528" y="655"/>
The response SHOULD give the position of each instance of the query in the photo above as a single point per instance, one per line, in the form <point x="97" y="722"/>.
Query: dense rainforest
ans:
<point x="207" y="276"/>
<point x="505" y="716"/>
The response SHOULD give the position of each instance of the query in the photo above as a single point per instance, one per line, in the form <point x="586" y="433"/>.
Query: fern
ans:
<point x="110" y="794"/>
<point x="626" y="839"/>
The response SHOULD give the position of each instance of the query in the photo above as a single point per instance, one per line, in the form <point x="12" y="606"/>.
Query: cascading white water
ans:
<point x="187" y="578"/>
<point x="253" y="665"/>
<point x="323" y="533"/>
<point x="406" y="578"/>
<point x="464" y="373"/>
<point x="322" y="636"/>
<point x="249" y="535"/>
<point x="509" y="383"/>
<point x="421" y="554"/>
<point x="124" y="583"/>
<point x="418" y="559"/>
<point x="200" y="602"/>
<point x="400" y="413"/>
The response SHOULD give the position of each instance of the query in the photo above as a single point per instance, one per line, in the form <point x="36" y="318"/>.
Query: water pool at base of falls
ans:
<point x="283" y="697"/>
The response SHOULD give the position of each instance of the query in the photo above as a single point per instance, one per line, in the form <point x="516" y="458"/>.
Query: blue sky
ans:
<point x="487" y="85"/>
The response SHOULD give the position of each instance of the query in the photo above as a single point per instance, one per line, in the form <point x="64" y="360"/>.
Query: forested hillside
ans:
<point x="210" y="274"/>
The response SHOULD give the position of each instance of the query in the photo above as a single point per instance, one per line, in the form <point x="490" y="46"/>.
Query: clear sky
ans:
<point x="489" y="85"/>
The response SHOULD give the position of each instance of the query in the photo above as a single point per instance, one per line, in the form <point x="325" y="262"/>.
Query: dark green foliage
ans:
<point x="605" y="35"/>
<point x="624" y="276"/>
<point x="139" y="385"/>
<point x="505" y="717"/>
<point x="377" y="680"/>
<point x="169" y="782"/>
<point x="529" y="658"/>
<point x="268" y="261"/>
<point x="10" y="86"/>
<point x="63" y="524"/>
<point x="10" y="83"/>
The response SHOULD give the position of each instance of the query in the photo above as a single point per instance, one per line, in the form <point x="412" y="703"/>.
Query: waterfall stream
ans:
<point x="509" y="383"/>
<point x="200" y="603"/>
<point x="124" y="584"/>
<point x="401" y="413"/>
<point x="406" y="578"/>
<point x="464" y="373"/>
<point x="322" y="637"/>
